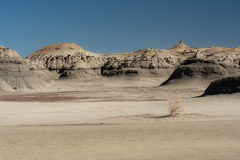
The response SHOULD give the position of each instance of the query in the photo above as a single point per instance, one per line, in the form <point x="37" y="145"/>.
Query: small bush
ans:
<point x="175" y="107"/>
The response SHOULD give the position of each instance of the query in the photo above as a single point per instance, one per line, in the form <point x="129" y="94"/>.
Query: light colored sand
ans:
<point x="173" y="140"/>
<point x="100" y="120"/>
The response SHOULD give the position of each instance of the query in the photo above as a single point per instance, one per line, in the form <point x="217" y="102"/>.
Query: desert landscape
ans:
<point x="65" y="102"/>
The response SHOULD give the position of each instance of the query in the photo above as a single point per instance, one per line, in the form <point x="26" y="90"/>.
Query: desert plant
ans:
<point x="175" y="106"/>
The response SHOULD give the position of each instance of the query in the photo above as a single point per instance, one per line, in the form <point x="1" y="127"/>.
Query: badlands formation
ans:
<point x="64" y="102"/>
<point x="71" y="61"/>
<point x="15" y="72"/>
<point x="196" y="67"/>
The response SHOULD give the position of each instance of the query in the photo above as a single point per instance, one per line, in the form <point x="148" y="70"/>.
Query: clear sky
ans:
<point x="114" y="26"/>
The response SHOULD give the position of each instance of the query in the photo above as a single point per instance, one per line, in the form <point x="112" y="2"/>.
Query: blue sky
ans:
<point x="114" y="26"/>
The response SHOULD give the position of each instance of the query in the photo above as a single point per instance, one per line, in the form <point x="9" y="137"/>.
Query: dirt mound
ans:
<point x="226" y="85"/>
<point x="196" y="72"/>
<point x="15" y="72"/>
<point x="62" y="48"/>
<point x="68" y="60"/>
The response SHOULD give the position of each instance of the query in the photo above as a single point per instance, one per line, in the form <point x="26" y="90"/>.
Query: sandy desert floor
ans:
<point x="114" y="118"/>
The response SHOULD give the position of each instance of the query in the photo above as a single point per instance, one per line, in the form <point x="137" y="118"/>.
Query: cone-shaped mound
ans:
<point x="15" y="72"/>
<point x="181" y="47"/>
<point x="226" y="85"/>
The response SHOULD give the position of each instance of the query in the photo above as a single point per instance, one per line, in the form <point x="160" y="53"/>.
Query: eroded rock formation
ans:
<point x="71" y="61"/>
<point x="227" y="85"/>
<point x="15" y="72"/>
<point x="68" y="60"/>
<point x="191" y="64"/>
<point x="196" y="71"/>
<point x="148" y="62"/>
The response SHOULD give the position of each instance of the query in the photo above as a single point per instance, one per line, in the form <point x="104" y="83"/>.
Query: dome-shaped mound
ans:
<point x="62" y="48"/>
<point x="68" y="60"/>
<point x="227" y="85"/>
<point x="195" y="72"/>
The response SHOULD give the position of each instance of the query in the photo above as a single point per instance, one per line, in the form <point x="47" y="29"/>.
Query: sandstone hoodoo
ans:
<point x="198" y="72"/>
<point x="227" y="85"/>
<point x="15" y="72"/>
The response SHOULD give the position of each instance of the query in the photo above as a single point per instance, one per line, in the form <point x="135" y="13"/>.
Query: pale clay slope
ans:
<point x="15" y="72"/>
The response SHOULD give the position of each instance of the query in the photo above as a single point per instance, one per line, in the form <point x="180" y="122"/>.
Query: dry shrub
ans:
<point x="175" y="107"/>
<point x="146" y="91"/>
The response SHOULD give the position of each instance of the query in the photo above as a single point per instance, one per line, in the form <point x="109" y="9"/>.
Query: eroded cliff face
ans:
<point x="68" y="60"/>
<point x="182" y="64"/>
<point x="71" y="61"/>
<point x="148" y="62"/>
<point x="15" y="72"/>
<point x="9" y="56"/>
<point x="206" y="66"/>
<point x="227" y="57"/>
<point x="229" y="60"/>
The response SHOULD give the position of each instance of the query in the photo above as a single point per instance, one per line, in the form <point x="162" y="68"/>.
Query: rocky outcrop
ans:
<point x="71" y="61"/>
<point x="230" y="60"/>
<point x="186" y="65"/>
<point x="196" y="71"/>
<point x="148" y="62"/>
<point x="78" y="69"/>
<point x="15" y="72"/>
<point x="203" y="65"/>
<point x="9" y="56"/>
<point x="183" y="48"/>
<point x="68" y="60"/>
<point x="227" y="85"/>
